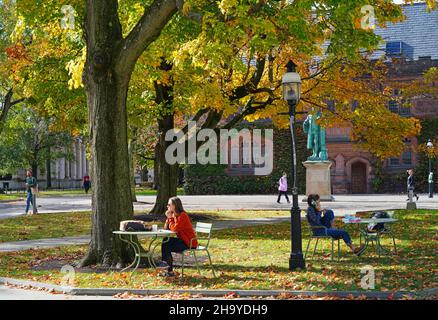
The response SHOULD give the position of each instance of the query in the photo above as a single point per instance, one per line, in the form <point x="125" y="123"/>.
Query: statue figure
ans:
<point x="315" y="138"/>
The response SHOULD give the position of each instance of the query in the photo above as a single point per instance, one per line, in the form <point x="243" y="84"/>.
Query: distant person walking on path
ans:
<point x="86" y="183"/>
<point x="31" y="188"/>
<point x="411" y="185"/>
<point x="282" y="188"/>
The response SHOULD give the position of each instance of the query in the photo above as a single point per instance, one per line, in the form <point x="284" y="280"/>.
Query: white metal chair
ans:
<point x="203" y="243"/>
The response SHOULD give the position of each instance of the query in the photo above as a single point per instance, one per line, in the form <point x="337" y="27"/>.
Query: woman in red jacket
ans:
<point x="179" y="222"/>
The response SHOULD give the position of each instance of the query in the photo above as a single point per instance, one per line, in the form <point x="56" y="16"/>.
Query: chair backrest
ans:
<point x="204" y="228"/>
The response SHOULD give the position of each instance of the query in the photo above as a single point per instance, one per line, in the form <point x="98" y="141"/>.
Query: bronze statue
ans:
<point x="315" y="138"/>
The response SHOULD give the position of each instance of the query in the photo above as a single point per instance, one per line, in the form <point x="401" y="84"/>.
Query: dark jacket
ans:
<point x="411" y="184"/>
<point x="314" y="216"/>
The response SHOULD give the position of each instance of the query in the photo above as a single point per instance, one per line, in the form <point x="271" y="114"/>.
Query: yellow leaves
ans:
<point x="430" y="152"/>
<point x="19" y="29"/>
<point x="75" y="68"/>
<point x="226" y="5"/>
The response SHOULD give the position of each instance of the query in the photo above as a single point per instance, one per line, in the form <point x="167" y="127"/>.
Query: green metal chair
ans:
<point x="313" y="236"/>
<point x="374" y="237"/>
<point x="203" y="242"/>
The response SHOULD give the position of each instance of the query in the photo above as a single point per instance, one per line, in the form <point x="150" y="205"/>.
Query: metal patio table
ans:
<point x="130" y="236"/>
<point x="373" y="236"/>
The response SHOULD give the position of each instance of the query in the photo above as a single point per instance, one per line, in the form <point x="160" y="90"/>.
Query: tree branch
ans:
<point x="148" y="28"/>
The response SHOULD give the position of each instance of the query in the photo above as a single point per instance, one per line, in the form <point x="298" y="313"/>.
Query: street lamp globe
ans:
<point x="429" y="144"/>
<point x="291" y="82"/>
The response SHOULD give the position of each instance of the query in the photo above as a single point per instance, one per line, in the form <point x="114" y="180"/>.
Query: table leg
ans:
<point x="137" y="255"/>
<point x="365" y="238"/>
<point x="134" y="248"/>
<point x="150" y="254"/>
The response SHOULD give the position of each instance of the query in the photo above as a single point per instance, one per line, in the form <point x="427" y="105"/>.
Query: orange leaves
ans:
<point x="16" y="51"/>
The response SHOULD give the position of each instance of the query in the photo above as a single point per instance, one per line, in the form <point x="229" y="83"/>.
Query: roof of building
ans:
<point x="419" y="31"/>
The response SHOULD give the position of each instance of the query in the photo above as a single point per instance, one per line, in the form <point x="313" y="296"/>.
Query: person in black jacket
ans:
<point x="323" y="220"/>
<point x="411" y="184"/>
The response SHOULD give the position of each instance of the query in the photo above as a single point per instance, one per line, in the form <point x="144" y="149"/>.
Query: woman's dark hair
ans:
<point x="178" y="204"/>
<point x="311" y="198"/>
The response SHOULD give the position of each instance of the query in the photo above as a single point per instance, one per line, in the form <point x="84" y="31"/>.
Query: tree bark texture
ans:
<point x="108" y="68"/>
<point x="167" y="174"/>
<point x="6" y="107"/>
<point x="132" y="170"/>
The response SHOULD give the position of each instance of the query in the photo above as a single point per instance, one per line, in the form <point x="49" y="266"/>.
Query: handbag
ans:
<point x="134" y="225"/>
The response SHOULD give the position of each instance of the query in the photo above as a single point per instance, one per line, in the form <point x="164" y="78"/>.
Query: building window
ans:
<point x="405" y="111"/>
<point x="331" y="105"/>
<point x="354" y="105"/>
<point x="407" y="157"/>
<point x="394" y="162"/>
<point x="399" y="49"/>
<point x="393" y="106"/>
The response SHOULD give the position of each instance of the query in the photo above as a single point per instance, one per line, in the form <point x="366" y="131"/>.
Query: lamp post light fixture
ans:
<point x="430" y="178"/>
<point x="291" y="83"/>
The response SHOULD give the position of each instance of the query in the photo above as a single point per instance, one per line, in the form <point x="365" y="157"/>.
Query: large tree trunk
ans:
<point x="156" y="167"/>
<point x="108" y="68"/>
<point x="132" y="171"/>
<point x="167" y="174"/>
<point x="106" y="90"/>
<point x="49" y="171"/>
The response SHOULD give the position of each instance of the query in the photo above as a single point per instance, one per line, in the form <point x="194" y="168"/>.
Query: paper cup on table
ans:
<point x="154" y="228"/>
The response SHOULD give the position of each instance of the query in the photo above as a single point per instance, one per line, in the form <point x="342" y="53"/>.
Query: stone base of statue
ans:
<point x="411" y="206"/>
<point x="318" y="179"/>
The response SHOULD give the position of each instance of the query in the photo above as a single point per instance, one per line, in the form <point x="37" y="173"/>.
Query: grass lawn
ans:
<point x="257" y="258"/>
<point x="58" y="225"/>
<point x="74" y="192"/>
<point x="12" y="197"/>
<point x="40" y="226"/>
<point x="152" y="192"/>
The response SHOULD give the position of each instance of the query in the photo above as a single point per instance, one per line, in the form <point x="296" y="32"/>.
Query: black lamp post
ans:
<point x="291" y="83"/>
<point x="430" y="146"/>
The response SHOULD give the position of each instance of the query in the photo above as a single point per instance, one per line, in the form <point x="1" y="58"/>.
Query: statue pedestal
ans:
<point x="318" y="179"/>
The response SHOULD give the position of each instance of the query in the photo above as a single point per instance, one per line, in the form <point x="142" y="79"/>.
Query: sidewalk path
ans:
<point x="343" y="203"/>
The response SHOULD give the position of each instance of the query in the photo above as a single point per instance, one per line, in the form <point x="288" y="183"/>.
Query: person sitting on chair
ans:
<point x="324" y="218"/>
<point x="179" y="222"/>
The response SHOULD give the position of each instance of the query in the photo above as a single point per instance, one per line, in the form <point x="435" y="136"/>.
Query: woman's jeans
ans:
<point x="327" y="221"/>
<point x="170" y="245"/>
<point x="29" y="201"/>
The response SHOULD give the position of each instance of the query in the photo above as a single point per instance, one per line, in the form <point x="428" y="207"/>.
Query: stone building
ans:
<point x="411" y="47"/>
<point x="65" y="174"/>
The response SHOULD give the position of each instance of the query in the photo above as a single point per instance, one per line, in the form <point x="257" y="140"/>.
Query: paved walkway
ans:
<point x="343" y="203"/>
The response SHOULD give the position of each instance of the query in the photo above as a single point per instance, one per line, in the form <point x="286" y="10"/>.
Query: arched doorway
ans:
<point x="358" y="177"/>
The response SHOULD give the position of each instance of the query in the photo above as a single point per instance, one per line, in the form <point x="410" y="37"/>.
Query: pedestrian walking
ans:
<point x="31" y="189"/>
<point x="411" y="185"/>
<point x="86" y="183"/>
<point x="282" y="188"/>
